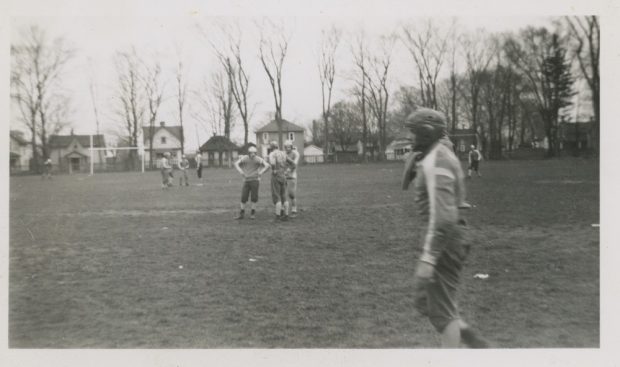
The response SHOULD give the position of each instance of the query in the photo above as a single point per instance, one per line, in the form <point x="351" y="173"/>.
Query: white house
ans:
<point x="20" y="152"/>
<point x="398" y="149"/>
<point x="70" y="153"/>
<point x="313" y="154"/>
<point x="269" y="133"/>
<point x="165" y="139"/>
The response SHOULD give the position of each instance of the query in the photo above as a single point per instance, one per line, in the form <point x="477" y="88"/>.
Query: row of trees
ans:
<point x="510" y="88"/>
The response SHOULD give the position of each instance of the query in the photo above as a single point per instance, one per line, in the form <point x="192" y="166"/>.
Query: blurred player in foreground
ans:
<point x="251" y="167"/>
<point x="291" y="175"/>
<point x="279" y="164"/>
<point x="439" y="193"/>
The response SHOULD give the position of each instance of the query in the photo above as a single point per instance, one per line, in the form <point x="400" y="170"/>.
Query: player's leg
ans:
<point x="275" y="196"/>
<point x="253" y="198"/>
<point x="292" y="195"/>
<point x="164" y="178"/>
<point x="285" y="203"/>
<point x="245" y="193"/>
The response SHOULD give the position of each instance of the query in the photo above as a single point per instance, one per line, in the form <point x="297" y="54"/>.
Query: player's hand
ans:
<point x="424" y="271"/>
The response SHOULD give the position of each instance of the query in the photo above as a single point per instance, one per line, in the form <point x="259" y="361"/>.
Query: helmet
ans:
<point x="273" y="144"/>
<point x="252" y="149"/>
<point x="167" y="154"/>
<point x="288" y="143"/>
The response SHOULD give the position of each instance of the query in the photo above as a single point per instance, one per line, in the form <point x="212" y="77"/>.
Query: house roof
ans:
<point x="273" y="127"/>
<point x="176" y="131"/>
<point x="62" y="141"/>
<point x="218" y="143"/>
<point x="19" y="136"/>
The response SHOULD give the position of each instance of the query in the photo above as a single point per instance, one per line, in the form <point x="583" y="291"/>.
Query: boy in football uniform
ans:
<point x="439" y="193"/>
<point x="279" y="164"/>
<point x="291" y="175"/>
<point x="183" y="166"/>
<point x="251" y="167"/>
<point x="166" y="171"/>
<point x="474" y="158"/>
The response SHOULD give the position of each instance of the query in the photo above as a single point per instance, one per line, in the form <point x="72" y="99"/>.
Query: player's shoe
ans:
<point x="284" y="218"/>
<point x="293" y="214"/>
<point x="240" y="216"/>
<point x="252" y="216"/>
<point x="473" y="340"/>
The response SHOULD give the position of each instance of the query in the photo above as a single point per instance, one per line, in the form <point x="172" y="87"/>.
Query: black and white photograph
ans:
<point x="261" y="183"/>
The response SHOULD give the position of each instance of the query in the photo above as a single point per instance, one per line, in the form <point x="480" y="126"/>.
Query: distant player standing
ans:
<point x="166" y="171"/>
<point x="279" y="164"/>
<point x="291" y="175"/>
<point x="251" y="167"/>
<point x="198" y="159"/>
<point x="47" y="172"/>
<point x="183" y="166"/>
<point x="439" y="193"/>
<point x="474" y="158"/>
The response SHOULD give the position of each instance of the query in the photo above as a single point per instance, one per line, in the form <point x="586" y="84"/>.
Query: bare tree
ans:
<point x="360" y="59"/>
<point x="36" y="75"/>
<point x="477" y="56"/>
<point x="273" y="48"/>
<point x="229" y="54"/>
<point x="540" y="56"/>
<point x="154" y="95"/>
<point x="130" y="96"/>
<point x="428" y="47"/>
<point x="181" y="98"/>
<point x="586" y="33"/>
<point x="327" y="73"/>
<point x="379" y="93"/>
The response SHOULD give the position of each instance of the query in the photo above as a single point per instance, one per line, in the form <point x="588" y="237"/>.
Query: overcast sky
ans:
<point x="97" y="38"/>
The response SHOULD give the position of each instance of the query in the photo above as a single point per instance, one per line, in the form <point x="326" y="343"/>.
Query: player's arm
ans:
<point x="237" y="165"/>
<point x="265" y="168"/>
<point x="440" y="182"/>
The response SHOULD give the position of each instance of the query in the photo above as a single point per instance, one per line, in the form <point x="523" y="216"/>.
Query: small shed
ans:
<point x="219" y="151"/>
<point x="313" y="154"/>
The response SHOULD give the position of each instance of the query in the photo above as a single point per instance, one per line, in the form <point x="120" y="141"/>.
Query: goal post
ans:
<point x="140" y="151"/>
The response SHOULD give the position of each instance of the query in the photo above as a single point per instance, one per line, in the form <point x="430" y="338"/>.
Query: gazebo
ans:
<point x="220" y="151"/>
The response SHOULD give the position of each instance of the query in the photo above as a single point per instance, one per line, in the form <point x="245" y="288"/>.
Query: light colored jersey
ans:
<point x="277" y="160"/>
<point x="251" y="166"/>
<point x="291" y="171"/>
<point x="165" y="164"/>
<point x="474" y="156"/>
<point x="183" y="164"/>
<point x="439" y="190"/>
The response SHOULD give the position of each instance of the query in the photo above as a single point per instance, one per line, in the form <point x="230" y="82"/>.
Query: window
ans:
<point x="291" y="136"/>
<point x="163" y="140"/>
<point x="462" y="146"/>
<point x="265" y="138"/>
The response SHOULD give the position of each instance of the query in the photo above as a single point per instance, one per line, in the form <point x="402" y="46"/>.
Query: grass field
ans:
<point x="113" y="261"/>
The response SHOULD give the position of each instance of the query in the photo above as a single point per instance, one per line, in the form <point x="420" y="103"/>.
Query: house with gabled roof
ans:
<point x="20" y="152"/>
<point x="71" y="153"/>
<point x="165" y="139"/>
<point x="290" y="131"/>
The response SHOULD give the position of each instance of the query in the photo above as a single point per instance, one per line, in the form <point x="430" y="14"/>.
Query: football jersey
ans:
<point x="277" y="160"/>
<point x="439" y="190"/>
<point x="251" y="166"/>
<point x="291" y="171"/>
